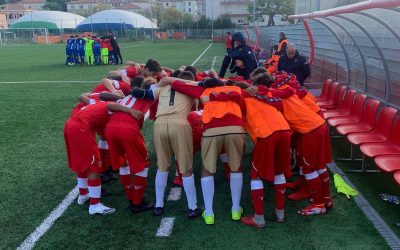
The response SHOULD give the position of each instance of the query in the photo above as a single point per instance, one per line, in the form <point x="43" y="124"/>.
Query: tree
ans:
<point x="53" y="6"/>
<point x="271" y="8"/>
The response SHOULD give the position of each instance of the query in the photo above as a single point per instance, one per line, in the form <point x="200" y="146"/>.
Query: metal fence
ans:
<point x="360" y="49"/>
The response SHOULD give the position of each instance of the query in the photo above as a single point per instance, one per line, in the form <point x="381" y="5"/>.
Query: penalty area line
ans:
<point x="31" y="240"/>
<point x="201" y="55"/>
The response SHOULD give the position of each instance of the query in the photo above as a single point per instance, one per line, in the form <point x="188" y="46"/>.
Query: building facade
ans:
<point x="13" y="12"/>
<point x="236" y="10"/>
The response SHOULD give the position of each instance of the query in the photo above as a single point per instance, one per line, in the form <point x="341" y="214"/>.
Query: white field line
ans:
<point x="166" y="226"/>
<point x="201" y="55"/>
<point x="30" y="241"/>
<point x="213" y="62"/>
<point x="136" y="45"/>
<point x="175" y="194"/>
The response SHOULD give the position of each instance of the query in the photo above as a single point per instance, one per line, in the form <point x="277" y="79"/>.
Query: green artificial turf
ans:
<point x="35" y="177"/>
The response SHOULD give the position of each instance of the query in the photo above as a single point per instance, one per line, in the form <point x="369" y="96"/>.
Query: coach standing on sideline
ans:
<point x="115" y="46"/>
<point x="227" y="59"/>
<point x="293" y="62"/>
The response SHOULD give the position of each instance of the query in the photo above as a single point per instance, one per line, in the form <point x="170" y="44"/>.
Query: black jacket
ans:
<point x="246" y="54"/>
<point x="298" y="65"/>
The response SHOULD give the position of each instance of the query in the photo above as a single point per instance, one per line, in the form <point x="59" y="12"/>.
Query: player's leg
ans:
<point x="164" y="153"/>
<point x="210" y="148"/>
<point x="180" y="136"/>
<point x="233" y="145"/>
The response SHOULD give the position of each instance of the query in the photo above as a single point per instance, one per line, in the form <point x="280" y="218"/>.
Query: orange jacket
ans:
<point x="262" y="119"/>
<point x="218" y="109"/>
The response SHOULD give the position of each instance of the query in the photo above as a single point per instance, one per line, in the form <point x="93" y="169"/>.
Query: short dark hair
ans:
<point x="230" y="82"/>
<point x="176" y="73"/>
<point x="259" y="70"/>
<point x="242" y="85"/>
<point x="187" y="75"/>
<point x="153" y="65"/>
<point x="263" y="79"/>
<point x="228" y="33"/>
<point x="137" y="81"/>
<point x="212" y="82"/>
<point x="191" y="69"/>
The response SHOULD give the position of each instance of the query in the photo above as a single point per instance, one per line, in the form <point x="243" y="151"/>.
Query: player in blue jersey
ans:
<point x="96" y="50"/>
<point x="81" y="49"/>
<point x="69" y="52"/>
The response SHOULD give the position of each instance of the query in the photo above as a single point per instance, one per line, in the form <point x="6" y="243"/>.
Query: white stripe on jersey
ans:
<point x="128" y="101"/>
<point x="116" y="84"/>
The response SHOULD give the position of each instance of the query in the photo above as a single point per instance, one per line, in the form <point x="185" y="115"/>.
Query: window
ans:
<point x="72" y="6"/>
<point x="190" y="3"/>
<point x="81" y="6"/>
<point x="190" y="10"/>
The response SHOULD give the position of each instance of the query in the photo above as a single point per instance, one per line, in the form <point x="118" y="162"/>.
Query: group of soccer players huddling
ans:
<point x="278" y="114"/>
<point x="92" y="50"/>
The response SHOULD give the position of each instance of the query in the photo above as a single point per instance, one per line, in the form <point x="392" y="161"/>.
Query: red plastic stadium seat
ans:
<point x="389" y="147"/>
<point x="336" y="102"/>
<point x="380" y="133"/>
<point x="397" y="177"/>
<point x="325" y="85"/>
<point x="330" y="94"/>
<point x="355" y="113"/>
<point x="344" y="108"/>
<point x="388" y="163"/>
<point x="367" y="122"/>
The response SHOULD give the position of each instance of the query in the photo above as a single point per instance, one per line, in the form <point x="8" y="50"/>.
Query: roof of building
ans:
<point x="128" y="6"/>
<point x="115" y="17"/>
<point x="31" y="1"/>
<point x="58" y="18"/>
<point x="14" y="7"/>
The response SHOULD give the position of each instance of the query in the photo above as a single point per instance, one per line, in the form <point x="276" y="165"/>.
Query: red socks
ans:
<point x="82" y="179"/>
<point x="280" y="196"/>
<point x="94" y="187"/>
<point x="257" y="196"/>
<point x="139" y="186"/>
<point x="324" y="176"/>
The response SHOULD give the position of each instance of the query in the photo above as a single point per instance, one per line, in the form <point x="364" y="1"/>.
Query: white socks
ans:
<point x="160" y="185"/>
<point x="236" y="183"/>
<point x="190" y="190"/>
<point x="207" y="186"/>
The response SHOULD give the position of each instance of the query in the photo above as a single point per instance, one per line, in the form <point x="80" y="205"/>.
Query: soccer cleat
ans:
<point x="280" y="215"/>
<point x="193" y="213"/>
<point x="313" y="210"/>
<point x="249" y="221"/>
<point x="82" y="199"/>
<point x="236" y="215"/>
<point x="143" y="206"/>
<point x="158" y="211"/>
<point x="100" y="209"/>
<point x="300" y="194"/>
<point x="294" y="185"/>
<point x="178" y="181"/>
<point x="327" y="201"/>
<point x="208" y="219"/>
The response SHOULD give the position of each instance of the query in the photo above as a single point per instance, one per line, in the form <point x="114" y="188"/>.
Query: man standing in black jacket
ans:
<point x="115" y="46"/>
<point x="293" y="62"/>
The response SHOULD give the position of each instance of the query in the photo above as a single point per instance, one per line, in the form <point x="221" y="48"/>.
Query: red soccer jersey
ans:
<point x="118" y="85"/>
<point x="93" y="117"/>
<point x="94" y="96"/>
<point x="126" y="120"/>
